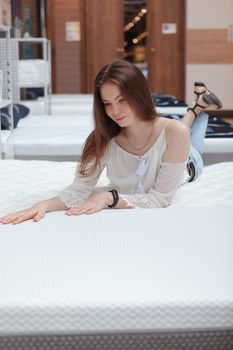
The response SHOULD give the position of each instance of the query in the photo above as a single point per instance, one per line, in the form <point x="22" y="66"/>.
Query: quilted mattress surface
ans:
<point x="25" y="182"/>
<point x="117" y="270"/>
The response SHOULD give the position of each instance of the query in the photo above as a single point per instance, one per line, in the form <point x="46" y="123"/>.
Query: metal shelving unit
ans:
<point x="6" y="136"/>
<point x="46" y="71"/>
<point x="13" y="52"/>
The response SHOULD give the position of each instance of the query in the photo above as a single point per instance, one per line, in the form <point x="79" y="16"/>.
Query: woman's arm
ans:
<point x="73" y="195"/>
<point x="82" y="186"/>
<point x="177" y="142"/>
<point x="170" y="177"/>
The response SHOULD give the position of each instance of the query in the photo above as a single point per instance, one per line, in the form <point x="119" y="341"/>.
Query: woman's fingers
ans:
<point x="39" y="215"/>
<point x="10" y="218"/>
<point x="83" y="209"/>
<point x="23" y="217"/>
<point x="91" y="205"/>
<point x="93" y="211"/>
<point x="18" y="217"/>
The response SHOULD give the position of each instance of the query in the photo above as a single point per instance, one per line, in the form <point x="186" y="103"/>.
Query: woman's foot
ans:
<point x="199" y="88"/>
<point x="204" y="99"/>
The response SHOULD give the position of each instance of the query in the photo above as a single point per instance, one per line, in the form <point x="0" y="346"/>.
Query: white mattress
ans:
<point x="26" y="182"/>
<point x="82" y="104"/>
<point x="63" y="120"/>
<point x="63" y="107"/>
<point x="33" y="72"/>
<point x="59" y="136"/>
<point x="5" y="136"/>
<point x="106" y="272"/>
<point x="51" y="141"/>
<point x="6" y="144"/>
<point x="219" y="145"/>
<point x="68" y="141"/>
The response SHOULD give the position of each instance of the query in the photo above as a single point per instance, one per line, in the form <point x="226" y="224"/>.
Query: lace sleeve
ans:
<point x="82" y="187"/>
<point x="170" y="177"/>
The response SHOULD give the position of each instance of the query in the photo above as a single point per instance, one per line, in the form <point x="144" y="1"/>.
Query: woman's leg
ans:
<point x="195" y="118"/>
<point x="197" y="135"/>
<point x="197" y="127"/>
<point x="195" y="164"/>
<point x="198" y="131"/>
<point x="197" y="122"/>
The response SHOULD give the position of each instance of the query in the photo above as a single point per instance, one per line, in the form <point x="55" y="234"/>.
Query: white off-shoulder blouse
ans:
<point x="142" y="181"/>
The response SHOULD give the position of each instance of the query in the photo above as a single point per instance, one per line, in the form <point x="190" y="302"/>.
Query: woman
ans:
<point x="146" y="156"/>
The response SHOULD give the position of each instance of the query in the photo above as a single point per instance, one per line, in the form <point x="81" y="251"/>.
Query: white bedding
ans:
<point x="47" y="120"/>
<point x="26" y="182"/>
<point x="81" y="104"/>
<point x="117" y="270"/>
<point x="61" y="134"/>
<point x="33" y="72"/>
<point x="51" y="141"/>
<point x="107" y="272"/>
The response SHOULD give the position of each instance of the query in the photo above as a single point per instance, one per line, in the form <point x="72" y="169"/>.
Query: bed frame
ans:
<point x="202" y="340"/>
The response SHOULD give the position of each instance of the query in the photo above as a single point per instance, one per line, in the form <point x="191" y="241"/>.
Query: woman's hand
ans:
<point x="93" y="204"/>
<point x="36" y="212"/>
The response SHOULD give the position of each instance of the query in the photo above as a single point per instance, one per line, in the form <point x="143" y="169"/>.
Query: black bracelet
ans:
<point x="115" y="198"/>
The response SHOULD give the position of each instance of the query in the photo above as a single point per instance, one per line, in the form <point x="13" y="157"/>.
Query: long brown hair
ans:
<point x="134" y="87"/>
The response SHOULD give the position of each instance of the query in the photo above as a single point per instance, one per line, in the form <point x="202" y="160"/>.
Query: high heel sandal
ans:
<point x="208" y="97"/>
<point x="197" y="86"/>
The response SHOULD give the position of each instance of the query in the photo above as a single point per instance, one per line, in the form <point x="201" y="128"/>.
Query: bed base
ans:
<point x="170" y="340"/>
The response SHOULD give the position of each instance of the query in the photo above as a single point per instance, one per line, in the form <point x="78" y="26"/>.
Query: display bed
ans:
<point x="119" y="279"/>
<point x="64" y="135"/>
<point x="61" y="136"/>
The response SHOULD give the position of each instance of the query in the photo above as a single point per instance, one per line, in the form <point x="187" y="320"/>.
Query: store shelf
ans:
<point x="4" y="103"/>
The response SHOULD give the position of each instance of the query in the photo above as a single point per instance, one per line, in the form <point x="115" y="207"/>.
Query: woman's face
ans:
<point x="116" y="107"/>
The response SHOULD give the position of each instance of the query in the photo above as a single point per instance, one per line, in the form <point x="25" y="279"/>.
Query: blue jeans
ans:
<point x="197" y="135"/>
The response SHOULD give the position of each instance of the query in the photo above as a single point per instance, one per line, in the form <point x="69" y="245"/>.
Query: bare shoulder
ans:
<point x="176" y="129"/>
<point x="177" y="141"/>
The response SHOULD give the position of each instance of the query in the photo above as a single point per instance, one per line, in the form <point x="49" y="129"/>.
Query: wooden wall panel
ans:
<point x="208" y="46"/>
<point x="65" y="54"/>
